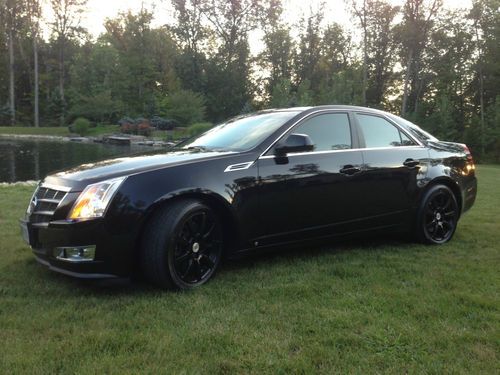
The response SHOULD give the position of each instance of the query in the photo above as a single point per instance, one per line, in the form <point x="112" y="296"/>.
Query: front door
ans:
<point x="315" y="193"/>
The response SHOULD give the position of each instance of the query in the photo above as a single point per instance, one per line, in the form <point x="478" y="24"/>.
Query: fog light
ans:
<point x="75" y="254"/>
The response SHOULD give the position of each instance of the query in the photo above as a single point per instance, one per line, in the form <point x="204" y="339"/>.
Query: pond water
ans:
<point x="22" y="160"/>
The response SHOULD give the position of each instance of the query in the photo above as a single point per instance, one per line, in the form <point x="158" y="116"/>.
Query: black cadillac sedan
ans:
<point x="269" y="178"/>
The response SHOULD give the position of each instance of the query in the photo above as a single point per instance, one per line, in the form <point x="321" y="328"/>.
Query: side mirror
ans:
<point x="294" y="143"/>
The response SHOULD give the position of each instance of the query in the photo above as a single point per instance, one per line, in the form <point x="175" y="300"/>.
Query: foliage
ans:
<point x="139" y="126"/>
<point x="443" y="65"/>
<point x="100" y="107"/>
<point x="185" y="106"/>
<point x="161" y="123"/>
<point x="373" y="306"/>
<point x="81" y="126"/>
<point x="199" y="128"/>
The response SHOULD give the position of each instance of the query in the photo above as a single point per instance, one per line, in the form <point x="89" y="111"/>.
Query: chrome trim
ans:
<point x="43" y="213"/>
<point x="419" y="143"/>
<point x="390" y="148"/>
<point x="56" y="187"/>
<point x="33" y="202"/>
<point x="346" y="150"/>
<point x="60" y="254"/>
<point x="48" y="200"/>
<point x="238" y="167"/>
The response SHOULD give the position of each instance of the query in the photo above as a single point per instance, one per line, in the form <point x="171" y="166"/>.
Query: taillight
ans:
<point x="469" y="167"/>
<point x="468" y="153"/>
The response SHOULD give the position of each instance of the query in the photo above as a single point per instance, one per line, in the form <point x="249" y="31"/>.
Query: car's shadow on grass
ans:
<point x="39" y="274"/>
<point x="310" y="250"/>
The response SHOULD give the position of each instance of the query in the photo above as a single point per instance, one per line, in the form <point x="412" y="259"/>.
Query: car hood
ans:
<point x="82" y="175"/>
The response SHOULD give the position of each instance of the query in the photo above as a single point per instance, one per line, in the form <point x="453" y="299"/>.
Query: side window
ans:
<point x="328" y="132"/>
<point x="378" y="132"/>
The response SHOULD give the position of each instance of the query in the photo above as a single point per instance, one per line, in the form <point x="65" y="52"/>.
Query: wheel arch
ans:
<point x="451" y="184"/>
<point x="220" y="206"/>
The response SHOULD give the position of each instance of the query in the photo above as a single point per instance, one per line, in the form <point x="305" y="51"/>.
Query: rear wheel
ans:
<point x="182" y="245"/>
<point x="437" y="216"/>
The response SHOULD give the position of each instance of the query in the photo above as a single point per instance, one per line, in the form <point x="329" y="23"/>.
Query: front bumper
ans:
<point x="45" y="240"/>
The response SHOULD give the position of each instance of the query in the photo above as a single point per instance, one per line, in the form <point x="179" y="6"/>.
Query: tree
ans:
<point x="309" y="50"/>
<point x="376" y="18"/>
<point x="276" y="57"/>
<point x="34" y="11"/>
<point x="281" y="95"/>
<point x="485" y="15"/>
<point x="185" y="106"/>
<point x="66" y="25"/>
<point x="232" y="21"/>
<point x="11" y="14"/>
<point x="228" y="86"/>
<point x="418" y="19"/>
<point x="191" y="35"/>
<point x="362" y="14"/>
<point x="447" y="66"/>
<point x="144" y="65"/>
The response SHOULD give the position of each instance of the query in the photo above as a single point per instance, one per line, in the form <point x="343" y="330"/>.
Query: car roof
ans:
<point x="332" y="106"/>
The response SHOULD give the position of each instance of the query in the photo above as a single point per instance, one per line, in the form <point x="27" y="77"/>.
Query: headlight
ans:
<point x="94" y="200"/>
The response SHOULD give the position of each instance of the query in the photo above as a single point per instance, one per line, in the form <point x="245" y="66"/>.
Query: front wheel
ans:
<point x="437" y="215"/>
<point x="182" y="245"/>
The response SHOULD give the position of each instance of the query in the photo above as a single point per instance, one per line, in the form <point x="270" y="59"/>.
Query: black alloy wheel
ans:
<point x="438" y="215"/>
<point x="182" y="246"/>
<point x="197" y="247"/>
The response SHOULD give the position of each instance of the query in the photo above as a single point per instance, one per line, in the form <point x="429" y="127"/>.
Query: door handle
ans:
<point x="349" y="170"/>
<point x="411" y="163"/>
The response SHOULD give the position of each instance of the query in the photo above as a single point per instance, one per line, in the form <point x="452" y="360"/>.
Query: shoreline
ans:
<point x="19" y="183"/>
<point x="36" y="137"/>
<point x="134" y="140"/>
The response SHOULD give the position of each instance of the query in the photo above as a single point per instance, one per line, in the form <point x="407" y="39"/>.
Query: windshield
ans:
<point x="240" y="133"/>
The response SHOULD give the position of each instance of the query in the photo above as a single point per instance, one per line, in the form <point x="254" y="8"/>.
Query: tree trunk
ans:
<point x="36" y="114"/>
<point x="481" y="86"/>
<point x="365" y="71"/>
<point x="61" y="83"/>
<point x="481" y="103"/>
<point x="407" y="81"/>
<point x="12" y="97"/>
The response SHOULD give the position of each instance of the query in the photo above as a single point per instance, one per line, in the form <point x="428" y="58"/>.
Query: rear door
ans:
<point x="394" y="163"/>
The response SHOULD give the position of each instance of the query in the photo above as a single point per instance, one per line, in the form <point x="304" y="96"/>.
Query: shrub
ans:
<point x="100" y="107"/>
<point x="185" y="106"/>
<point x="199" y="128"/>
<point x="164" y="123"/>
<point x="143" y="127"/>
<point x="139" y="126"/>
<point x="127" y="125"/>
<point x="81" y="126"/>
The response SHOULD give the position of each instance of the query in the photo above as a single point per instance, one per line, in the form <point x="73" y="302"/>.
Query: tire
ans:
<point x="181" y="246"/>
<point x="437" y="216"/>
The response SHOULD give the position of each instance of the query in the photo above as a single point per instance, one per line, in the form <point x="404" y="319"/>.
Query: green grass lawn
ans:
<point x="57" y="131"/>
<point x="29" y="130"/>
<point x="373" y="306"/>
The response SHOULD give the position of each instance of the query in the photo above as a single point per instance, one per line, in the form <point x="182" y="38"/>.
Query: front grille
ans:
<point x="44" y="204"/>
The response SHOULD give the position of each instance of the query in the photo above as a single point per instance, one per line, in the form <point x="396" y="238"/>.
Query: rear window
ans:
<point x="378" y="132"/>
